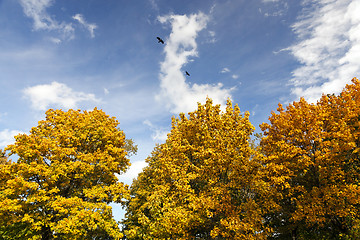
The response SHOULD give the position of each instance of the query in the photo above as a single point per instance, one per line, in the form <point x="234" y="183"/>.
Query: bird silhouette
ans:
<point x="187" y="73"/>
<point x="160" y="40"/>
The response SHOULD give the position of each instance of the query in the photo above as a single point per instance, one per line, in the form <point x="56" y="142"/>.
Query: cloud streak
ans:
<point x="36" y="9"/>
<point x="55" y="94"/>
<point x="328" y="47"/>
<point x="89" y="26"/>
<point x="159" y="134"/>
<point x="179" y="49"/>
<point x="225" y="70"/>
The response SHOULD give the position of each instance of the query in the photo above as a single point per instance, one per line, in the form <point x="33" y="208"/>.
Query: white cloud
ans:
<point x="212" y="33"/>
<point x="180" y="47"/>
<point x="133" y="171"/>
<point x="159" y="134"/>
<point x="7" y="137"/>
<point x="58" y="94"/>
<point x="36" y="9"/>
<point x="328" y="47"/>
<point x="55" y="40"/>
<point x="225" y="70"/>
<point x="89" y="26"/>
<point x="234" y="76"/>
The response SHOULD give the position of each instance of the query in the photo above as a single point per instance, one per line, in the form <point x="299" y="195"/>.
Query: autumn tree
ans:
<point x="65" y="177"/>
<point x="312" y="163"/>
<point x="3" y="158"/>
<point x="201" y="183"/>
<point x="13" y="231"/>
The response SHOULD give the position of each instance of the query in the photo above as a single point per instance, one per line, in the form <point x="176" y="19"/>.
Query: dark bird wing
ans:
<point x="187" y="73"/>
<point x="160" y="40"/>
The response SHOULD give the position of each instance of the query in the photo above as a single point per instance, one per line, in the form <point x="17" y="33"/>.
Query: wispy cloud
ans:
<point x="225" y="70"/>
<point x="159" y="133"/>
<point x="180" y="47"/>
<point x="154" y="5"/>
<point x="274" y="8"/>
<point x="55" y="94"/>
<point x="36" y="9"/>
<point x="211" y="37"/>
<point x="24" y="55"/>
<point x="89" y="26"/>
<point x="328" y="47"/>
<point x="7" y="137"/>
<point x="55" y="40"/>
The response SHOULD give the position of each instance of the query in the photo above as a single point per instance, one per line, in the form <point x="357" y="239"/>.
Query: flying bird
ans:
<point x="160" y="40"/>
<point x="187" y="73"/>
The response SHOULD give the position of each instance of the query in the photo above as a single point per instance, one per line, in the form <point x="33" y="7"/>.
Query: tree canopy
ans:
<point x="200" y="184"/>
<point x="312" y="163"/>
<point x="64" y="178"/>
<point x="209" y="180"/>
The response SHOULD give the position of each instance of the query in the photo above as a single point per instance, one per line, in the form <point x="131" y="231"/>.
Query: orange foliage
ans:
<point x="312" y="163"/>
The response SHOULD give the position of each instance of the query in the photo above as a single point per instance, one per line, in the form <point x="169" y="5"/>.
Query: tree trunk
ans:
<point x="293" y="234"/>
<point x="46" y="233"/>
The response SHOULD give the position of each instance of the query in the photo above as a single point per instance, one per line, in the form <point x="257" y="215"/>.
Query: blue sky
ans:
<point x="83" y="54"/>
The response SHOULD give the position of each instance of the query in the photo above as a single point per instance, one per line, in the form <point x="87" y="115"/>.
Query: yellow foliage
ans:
<point x="65" y="176"/>
<point x="200" y="183"/>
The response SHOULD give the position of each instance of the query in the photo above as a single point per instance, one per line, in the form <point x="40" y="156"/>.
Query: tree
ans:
<point x="3" y="159"/>
<point x="311" y="161"/>
<point x="64" y="177"/>
<point x="201" y="183"/>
